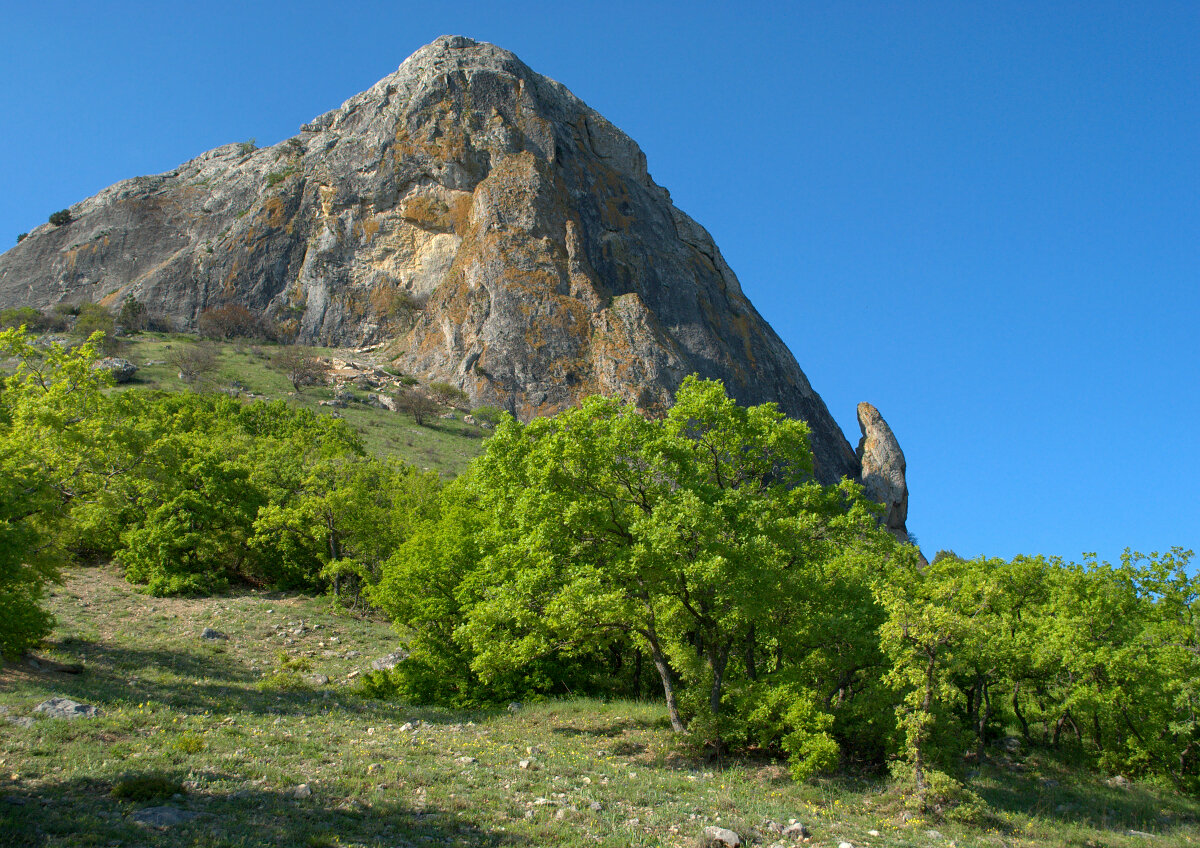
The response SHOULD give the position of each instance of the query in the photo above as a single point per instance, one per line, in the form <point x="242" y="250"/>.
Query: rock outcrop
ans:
<point x="883" y="469"/>
<point x="475" y="216"/>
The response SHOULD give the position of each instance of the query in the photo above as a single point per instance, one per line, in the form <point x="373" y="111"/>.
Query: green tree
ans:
<point x="692" y="536"/>
<point x="94" y="318"/>
<point x="46" y="434"/>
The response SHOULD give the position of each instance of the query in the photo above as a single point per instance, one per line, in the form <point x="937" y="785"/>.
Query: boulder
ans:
<point x="390" y="661"/>
<point x="66" y="708"/>
<point x="122" y="370"/>
<point x="720" y="837"/>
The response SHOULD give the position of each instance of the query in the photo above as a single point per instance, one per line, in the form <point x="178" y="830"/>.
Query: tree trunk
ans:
<point x="751" y="668"/>
<point x="985" y="712"/>
<point x="664" y="672"/>
<point x="919" y="741"/>
<point x="1016" y="703"/>
<point x="660" y="663"/>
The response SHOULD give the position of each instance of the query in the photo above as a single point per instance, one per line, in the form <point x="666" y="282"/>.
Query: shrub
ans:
<point x="21" y="237"/>
<point x="95" y="318"/>
<point x="20" y="316"/>
<point x="490" y="414"/>
<point x="196" y="362"/>
<point x="61" y="217"/>
<point x="132" y="316"/>
<point x="248" y="146"/>
<point x="146" y="787"/>
<point x="230" y="322"/>
<point x="418" y="405"/>
<point x="299" y="366"/>
<point x="447" y="394"/>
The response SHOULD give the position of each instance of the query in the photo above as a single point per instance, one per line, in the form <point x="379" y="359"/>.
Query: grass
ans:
<point x="230" y="728"/>
<point x="442" y="445"/>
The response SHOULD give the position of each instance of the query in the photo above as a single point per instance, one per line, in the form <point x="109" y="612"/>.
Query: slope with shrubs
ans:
<point x="601" y="553"/>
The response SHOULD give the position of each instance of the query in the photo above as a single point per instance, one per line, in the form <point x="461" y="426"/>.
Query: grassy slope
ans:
<point x="443" y="445"/>
<point x="206" y="716"/>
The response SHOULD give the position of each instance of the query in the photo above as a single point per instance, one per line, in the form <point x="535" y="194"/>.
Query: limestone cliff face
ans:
<point x="480" y="218"/>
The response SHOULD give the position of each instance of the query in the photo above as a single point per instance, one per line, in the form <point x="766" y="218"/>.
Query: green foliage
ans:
<point x="94" y="318"/>
<point x="247" y="147"/>
<point x="23" y="316"/>
<point x="488" y="414"/>
<point x="45" y="433"/>
<point x="699" y="540"/>
<point x="1096" y="659"/>
<point x="146" y="787"/>
<point x="447" y="395"/>
<point x="21" y="237"/>
<point x="132" y="316"/>
<point x="61" y="217"/>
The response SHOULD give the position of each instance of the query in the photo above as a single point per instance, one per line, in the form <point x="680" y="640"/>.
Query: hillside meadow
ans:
<point x="229" y="729"/>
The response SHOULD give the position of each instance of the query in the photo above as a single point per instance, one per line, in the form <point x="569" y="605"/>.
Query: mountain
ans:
<point x="474" y="215"/>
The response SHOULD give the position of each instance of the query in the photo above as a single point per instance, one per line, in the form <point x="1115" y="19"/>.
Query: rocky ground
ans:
<point x="238" y="721"/>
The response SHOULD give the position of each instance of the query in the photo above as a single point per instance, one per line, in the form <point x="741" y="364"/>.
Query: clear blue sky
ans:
<point x="984" y="218"/>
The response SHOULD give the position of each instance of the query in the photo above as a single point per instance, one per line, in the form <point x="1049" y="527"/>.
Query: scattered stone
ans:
<point x="845" y="845"/>
<point x="934" y="834"/>
<point x="561" y="813"/>
<point x="374" y="767"/>
<point x="595" y="806"/>
<point x="211" y="634"/>
<point x="353" y="674"/>
<point x="528" y="765"/>
<point x="162" y="816"/>
<point x="874" y="833"/>
<point x="1119" y="782"/>
<point x="467" y="760"/>
<point x="20" y="721"/>
<point x="122" y="370"/>
<point x="715" y="836"/>
<point x="796" y="830"/>
<point x="1143" y="834"/>
<point x="390" y="661"/>
<point x="514" y="706"/>
<point x="66" y="708"/>
<point x="406" y="727"/>
<point x="302" y="791"/>
<point x="318" y="680"/>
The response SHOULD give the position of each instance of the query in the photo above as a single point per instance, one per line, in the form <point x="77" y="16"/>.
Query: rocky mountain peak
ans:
<point x="472" y="215"/>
